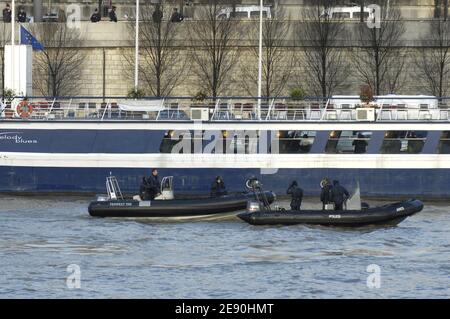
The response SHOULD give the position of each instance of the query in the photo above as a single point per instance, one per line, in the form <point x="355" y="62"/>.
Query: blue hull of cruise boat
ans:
<point x="379" y="182"/>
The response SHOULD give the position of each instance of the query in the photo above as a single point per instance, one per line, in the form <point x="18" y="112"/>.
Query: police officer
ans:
<point x="339" y="195"/>
<point x="22" y="16"/>
<point x="325" y="194"/>
<point x="218" y="187"/>
<point x="296" y="195"/>
<point x="150" y="187"/>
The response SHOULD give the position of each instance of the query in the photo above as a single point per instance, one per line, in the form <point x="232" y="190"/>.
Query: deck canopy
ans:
<point x="141" y="106"/>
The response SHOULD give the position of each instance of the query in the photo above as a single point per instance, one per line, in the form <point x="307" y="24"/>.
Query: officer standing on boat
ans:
<point x="150" y="187"/>
<point x="218" y="187"/>
<point x="296" y="195"/>
<point x="325" y="194"/>
<point x="339" y="195"/>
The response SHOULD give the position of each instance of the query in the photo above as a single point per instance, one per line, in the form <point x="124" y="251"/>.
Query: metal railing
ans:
<point x="310" y="109"/>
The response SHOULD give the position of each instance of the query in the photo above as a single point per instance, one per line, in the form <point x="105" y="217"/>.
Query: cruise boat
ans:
<point x="392" y="146"/>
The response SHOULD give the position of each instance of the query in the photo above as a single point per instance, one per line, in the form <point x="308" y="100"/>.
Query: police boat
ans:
<point x="114" y="204"/>
<point x="261" y="213"/>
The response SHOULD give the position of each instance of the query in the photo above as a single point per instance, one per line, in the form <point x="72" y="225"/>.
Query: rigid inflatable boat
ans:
<point x="115" y="205"/>
<point x="391" y="214"/>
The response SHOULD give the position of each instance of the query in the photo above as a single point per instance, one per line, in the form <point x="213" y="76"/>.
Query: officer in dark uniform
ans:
<point x="22" y="16"/>
<point x="296" y="195"/>
<point x="150" y="187"/>
<point x="325" y="195"/>
<point x="95" y="17"/>
<point x="112" y="15"/>
<point x="218" y="187"/>
<point x="339" y="195"/>
<point x="7" y="14"/>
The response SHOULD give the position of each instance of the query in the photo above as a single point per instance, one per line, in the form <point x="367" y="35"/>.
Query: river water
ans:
<point x="45" y="240"/>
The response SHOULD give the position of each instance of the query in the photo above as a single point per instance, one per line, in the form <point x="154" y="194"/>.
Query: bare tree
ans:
<point x="161" y="65"/>
<point x="320" y="35"/>
<point x="379" y="61"/>
<point x="277" y="59"/>
<point x="212" y="50"/>
<point x="59" y="64"/>
<point x="433" y="60"/>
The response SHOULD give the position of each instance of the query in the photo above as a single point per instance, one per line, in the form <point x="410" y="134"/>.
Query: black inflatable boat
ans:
<point x="172" y="208"/>
<point x="391" y="214"/>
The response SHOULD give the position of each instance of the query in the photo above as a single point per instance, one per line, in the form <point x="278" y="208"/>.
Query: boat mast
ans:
<point x="260" y="58"/>
<point x="136" y="57"/>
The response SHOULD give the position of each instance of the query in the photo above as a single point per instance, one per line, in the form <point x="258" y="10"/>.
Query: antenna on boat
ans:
<point x="260" y="58"/>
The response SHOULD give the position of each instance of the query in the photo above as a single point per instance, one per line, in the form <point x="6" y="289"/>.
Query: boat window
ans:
<point x="357" y="15"/>
<point x="403" y="142"/>
<point x="444" y="143"/>
<point x="255" y="14"/>
<point x="231" y="142"/>
<point x="168" y="143"/>
<point x="348" y="142"/>
<point x="341" y="15"/>
<point x="296" y="142"/>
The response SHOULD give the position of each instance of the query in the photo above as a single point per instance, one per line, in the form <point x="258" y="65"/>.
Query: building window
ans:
<point x="348" y="142"/>
<point x="296" y="142"/>
<point x="403" y="142"/>
<point x="444" y="143"/>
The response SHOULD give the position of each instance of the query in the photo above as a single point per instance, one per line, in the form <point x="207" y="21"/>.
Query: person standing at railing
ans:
<point x="22" y="16"/>
<point x="95" y="17"/>
<point x="7" y="14"/>
<point x="112" y="14"/>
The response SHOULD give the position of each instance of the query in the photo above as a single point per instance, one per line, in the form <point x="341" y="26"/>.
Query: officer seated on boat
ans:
<point x="150" y="187"/>
<point x="325" y="194"/>
<point x="339" y="195"/>
<point x="296" y="195"/>
<point x="218" y="187"/>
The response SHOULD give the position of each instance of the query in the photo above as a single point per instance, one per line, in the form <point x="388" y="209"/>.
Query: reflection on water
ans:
<point x="40" y="237"/>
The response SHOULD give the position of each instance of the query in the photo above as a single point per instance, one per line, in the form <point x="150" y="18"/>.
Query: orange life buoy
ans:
<point x="24" y="109"/>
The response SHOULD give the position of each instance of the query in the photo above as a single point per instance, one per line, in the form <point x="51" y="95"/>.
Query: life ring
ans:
<point x="24" y="109"/>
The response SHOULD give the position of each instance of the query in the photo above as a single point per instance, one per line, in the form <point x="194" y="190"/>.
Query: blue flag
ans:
<point x="27" y="38"/>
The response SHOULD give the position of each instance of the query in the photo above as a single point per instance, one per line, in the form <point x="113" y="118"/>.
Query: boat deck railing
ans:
<point x="227" y="109"/>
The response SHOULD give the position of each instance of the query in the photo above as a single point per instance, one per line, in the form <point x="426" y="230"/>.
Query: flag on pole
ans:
<point x="27" y="38"/>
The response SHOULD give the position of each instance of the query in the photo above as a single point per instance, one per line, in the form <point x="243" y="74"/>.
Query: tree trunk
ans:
<point x="445" y="10"/>
<point x="362" y="11"/>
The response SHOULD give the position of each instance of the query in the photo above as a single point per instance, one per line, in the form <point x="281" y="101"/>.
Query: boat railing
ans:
<point x="113" y="188"/>
<point x="226" y="109"/>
